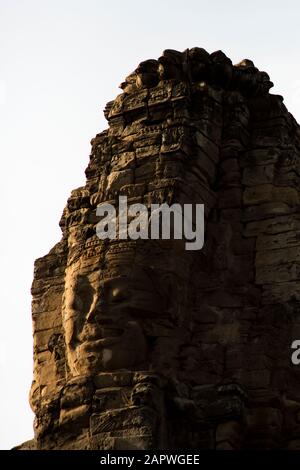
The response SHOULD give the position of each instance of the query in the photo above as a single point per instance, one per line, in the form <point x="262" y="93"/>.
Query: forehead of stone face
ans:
<point x="151" y="256"/>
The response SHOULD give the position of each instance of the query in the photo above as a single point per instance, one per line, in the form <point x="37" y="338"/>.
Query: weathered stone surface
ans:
<point x="140" y="344"/>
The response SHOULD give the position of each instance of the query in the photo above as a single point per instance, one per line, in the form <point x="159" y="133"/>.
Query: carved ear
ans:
<point x="169" y="288"/>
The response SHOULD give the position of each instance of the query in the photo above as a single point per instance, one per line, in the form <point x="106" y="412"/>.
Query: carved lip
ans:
<point x="94" y="345"/>
<point x="100" y="338"/>
<point x="95" y="334"/>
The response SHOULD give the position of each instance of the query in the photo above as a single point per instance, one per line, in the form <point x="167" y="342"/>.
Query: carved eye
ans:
<point x="117" y="295"/>
<point x="81" y="295"/>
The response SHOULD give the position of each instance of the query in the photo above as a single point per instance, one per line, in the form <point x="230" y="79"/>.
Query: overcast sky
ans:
<point x="60" y="62"/>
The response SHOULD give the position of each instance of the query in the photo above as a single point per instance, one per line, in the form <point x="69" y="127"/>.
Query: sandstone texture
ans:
<point x="141" y="344"/>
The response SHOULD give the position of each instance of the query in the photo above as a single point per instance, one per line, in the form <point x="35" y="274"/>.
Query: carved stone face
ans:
<point x="104" y="314"/>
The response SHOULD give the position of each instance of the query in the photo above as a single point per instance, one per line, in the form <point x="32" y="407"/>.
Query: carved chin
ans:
<point x="86" y="360"/>
<point x="89" y="362"/>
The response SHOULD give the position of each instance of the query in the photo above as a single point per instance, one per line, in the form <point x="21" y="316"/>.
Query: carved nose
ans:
<point x="96" y="310"/>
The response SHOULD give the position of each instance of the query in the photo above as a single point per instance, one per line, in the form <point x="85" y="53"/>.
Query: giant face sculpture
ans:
<point x="99" y="332"/>
<point x="109" y="312"/>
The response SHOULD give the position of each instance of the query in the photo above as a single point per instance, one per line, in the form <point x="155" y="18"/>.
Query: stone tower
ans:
<point x="141" y="344"/>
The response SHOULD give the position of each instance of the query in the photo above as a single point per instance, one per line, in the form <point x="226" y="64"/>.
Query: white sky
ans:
<point x="60" y="62"/>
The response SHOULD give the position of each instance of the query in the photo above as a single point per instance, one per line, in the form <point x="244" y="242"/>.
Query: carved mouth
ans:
<point x="98" y="338"/>
<point x="93" y="333"/>
<point x="97" y="344"/>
